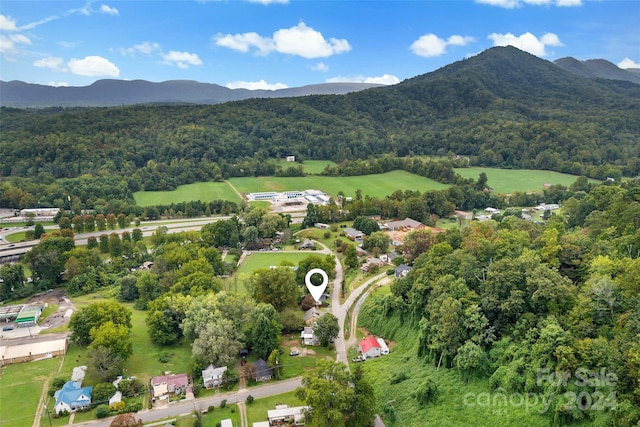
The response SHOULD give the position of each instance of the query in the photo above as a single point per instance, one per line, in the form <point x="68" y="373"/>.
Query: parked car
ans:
<point x="294" y="353"/>
<point x="8" y="328"/>
<point x="358" y="359"/>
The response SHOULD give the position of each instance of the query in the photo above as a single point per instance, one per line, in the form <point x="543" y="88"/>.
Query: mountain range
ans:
<point x="108" y="92"/>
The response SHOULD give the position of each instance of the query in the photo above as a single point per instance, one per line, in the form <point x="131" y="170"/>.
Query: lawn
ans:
<point x="205" y="191"/>
<point x="378" y="185"/>
<point x="212" y="418"/>
<point x="257" y="410"/>
<point x="20" y="236"/>
<point x="20" y="388"/>
<point x="522" y="180"/>
<point x="258" y="260"/>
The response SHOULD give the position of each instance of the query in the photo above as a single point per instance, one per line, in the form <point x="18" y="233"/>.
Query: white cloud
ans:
<point x="512" y="4"/>
<point x="109" y="10"/>
<point x="93" y="66"/>
<point x="269" y="1"/>
<point x="256" y="85"/>
<point x="385" y="79"/>
<point x="320" y="66"/>
<point x="244" y="42"/>
<point x="7" y="23"/>
<point x="58" y="84"/>
<point x="527" y="42"/>
<point x="431" y="45"/>
<point x="8" y="43"/>
<point x="308" y="43"/>
<point x="628" y="63"/>
<point x="52" y="62"/>
<point x="182" y="59"/>
<point x="146" y="48"/>
<point x="299" y="40"/>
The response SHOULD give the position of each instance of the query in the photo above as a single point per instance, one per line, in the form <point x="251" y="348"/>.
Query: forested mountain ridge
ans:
<point x="108" y="92"/>
<point x="597" y="68"/>
<point x="503" y="107"/>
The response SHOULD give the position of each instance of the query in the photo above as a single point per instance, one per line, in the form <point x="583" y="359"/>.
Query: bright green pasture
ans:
<point x="20" y="387"/>
<point x="518" y="180"/>
<point x="315" y="167"/>
<point x="205" y="191"/>
<point x="257" y="410"/>
<point x="378" y="185"/>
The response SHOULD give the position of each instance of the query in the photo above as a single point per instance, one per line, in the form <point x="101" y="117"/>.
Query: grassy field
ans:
<point x="205" y="191"/>
<point x="522" y="180"/>
<point x="211" y="419"/>
<point x="20" y="388"/>
<point x="257" y="410"/>
<point x="378" y="185"/>
<point x="255" y="261"/>
<point x="315" y="167"/>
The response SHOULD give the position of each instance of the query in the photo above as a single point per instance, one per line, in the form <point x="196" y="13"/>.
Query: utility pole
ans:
<point x="48" y="413"/>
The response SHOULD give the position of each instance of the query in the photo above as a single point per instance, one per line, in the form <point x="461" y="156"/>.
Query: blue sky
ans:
<point x="270" y="44"/>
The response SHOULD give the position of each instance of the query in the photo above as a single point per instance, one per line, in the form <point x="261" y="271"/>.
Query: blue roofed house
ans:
<point x="72" y="397"/>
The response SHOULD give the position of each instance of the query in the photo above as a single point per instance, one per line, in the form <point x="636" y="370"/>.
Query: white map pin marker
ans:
<point x="316" y="291"/>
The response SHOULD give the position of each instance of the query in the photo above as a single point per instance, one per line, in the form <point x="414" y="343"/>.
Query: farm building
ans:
<point x="33" y="351"/>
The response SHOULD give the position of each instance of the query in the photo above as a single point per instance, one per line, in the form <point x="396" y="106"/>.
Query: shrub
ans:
<point x="134" y="407"/>
<point x="327" y="234"/>
<point x="117" y="406"/>
<point x="223" y="404"/>
<point x="164" y="357"/>
<point x="197" y="388"/>
<point x="427" y="392"/>
<point x="58" y="383"/>
<point x="398" y="377"/>
<point x="210" y="408"/>
<point x="249" y="399"/>
<point x="102" y="411"/>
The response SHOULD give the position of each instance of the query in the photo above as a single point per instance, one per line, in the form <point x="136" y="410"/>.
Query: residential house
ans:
<point x="165" y="385"/>
<point x="405" y="224"/>
<point x="468" y="216"/>
<point x="72" y="397"/>
<point x="307" y="244"/>
<point x="492" y="211"/>
<point x="212" y="377"/>
<point x="283" y="415"/>
<point x="311" y="315"/>
<point x="261" y="371"/>
<point x="370" y="347"/>
<point x="402" y="270"/>
<point x="371" y="262"/>
<point x="353" y="234"/>
<point x="291" y="158"/>
<point x="308" y="337"/>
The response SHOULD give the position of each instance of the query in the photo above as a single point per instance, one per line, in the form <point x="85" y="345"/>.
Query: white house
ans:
<point x="71" y="397"/>
<point x="285" y="415"/>
<point x="212" y="377"/>
<point x="370" y="347"/>
<point x="308" y="337"/>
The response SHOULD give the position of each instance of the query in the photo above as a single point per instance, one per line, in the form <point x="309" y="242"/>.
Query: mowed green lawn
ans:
<point x="204" y="191"/>
<point x="378" y="185"/>
<point x="257" y="410"/>
<point x="21" y="385"/>
<point x="258" y="260"/>
<point x="518" y="180"/>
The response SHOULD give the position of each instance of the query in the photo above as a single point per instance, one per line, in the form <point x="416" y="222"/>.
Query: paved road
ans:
<point x="187" y="407"/>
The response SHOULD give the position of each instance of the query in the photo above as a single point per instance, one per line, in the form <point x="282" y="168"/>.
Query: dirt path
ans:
<point x="235" y="189"/>
<point x="243" y="414"/>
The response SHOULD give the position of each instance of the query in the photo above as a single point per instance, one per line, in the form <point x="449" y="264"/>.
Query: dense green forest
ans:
<point x="548" y="310"/>
<point x="501" y="108"/>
